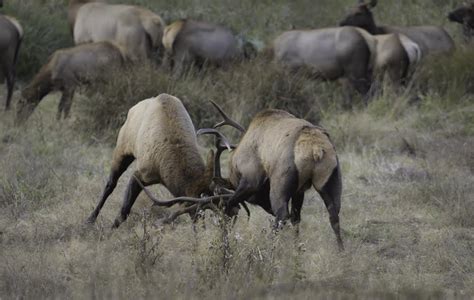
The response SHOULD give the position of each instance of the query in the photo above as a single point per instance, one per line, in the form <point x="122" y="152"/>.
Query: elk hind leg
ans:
<point x="331" y="194"/>
<point x="117" y="170"/>
<point x="10" y="80"/>
<point x="282" y="187"/>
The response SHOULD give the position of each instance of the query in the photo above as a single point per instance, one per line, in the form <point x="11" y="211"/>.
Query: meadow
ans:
<point x="407" y="163"/>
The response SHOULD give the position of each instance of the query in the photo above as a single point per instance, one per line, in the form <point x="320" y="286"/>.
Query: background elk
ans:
<point x="160" y="136"/>
<point x="65" y="70"/>
<point x="465" y="16"/>
<point x="137" y="29"/>
<point x="329" y="53"/>
<point x="431" y="39"/>
<point x="189" y="41"/>
<point x="11" y="35"/>
<point x="278" y="159"/>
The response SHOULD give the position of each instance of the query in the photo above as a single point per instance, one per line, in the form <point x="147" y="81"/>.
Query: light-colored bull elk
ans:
<point x="160" y="136"/>
<point x="65" y="70"/>
<point x="11" y="35"/>
<point x="278" y="159"/>
<point x="137" y="29"/>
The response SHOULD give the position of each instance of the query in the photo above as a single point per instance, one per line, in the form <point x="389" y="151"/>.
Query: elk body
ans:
<point x="464" y="15"/>
<point x="65" y="70"/>
<point x="137" y="29"/>
<point x="394" y="55"/>
<point x="278" y="159"/>
<point x="329" y="53"/>
<point x="11" y="35"/>
<point x="189" y="41"/>
<point x="159" y="135"/>
<point x="430" y="39"/>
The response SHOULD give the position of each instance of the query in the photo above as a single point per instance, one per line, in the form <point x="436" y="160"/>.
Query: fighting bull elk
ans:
<point x="159" y="135"/>
<point x="278" y="158"/>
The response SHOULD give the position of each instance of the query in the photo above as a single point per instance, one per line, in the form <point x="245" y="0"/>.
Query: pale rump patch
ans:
<point x="170" y="33"/>
<point x="16" y="24"/>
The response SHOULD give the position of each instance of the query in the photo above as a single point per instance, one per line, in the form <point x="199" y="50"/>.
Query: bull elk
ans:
<point x="137" y="29"/>
<point x="160" y="136"/>
<point x="11" y="35"/>
<point x="65" y="70"/>
<point x="431" y="39"/>
<point x="464" y="15"/>
<point x="189" y="41"/>
<point x="278" y="158"/>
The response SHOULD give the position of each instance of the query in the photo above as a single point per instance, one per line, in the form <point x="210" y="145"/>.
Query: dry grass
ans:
<point x="407" y="162"/>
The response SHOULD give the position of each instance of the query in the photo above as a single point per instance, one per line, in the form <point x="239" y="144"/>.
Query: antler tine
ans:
<point x="173" y="201"/>
<point x="227" y="119"/>
<point x="222" y="140"/>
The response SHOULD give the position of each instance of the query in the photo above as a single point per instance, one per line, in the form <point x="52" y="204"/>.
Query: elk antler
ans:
<point x="173" y="201"/>
<point x="221" y="144"/>
<point x="227" y="120"/>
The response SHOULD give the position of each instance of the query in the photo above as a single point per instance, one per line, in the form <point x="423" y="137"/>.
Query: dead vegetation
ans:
<point x="407" y="165"/>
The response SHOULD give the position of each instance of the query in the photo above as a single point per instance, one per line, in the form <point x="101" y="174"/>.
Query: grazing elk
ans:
<point x="160" y="136"/>
<point x="65" y="70"/>
<point x="328" y="53"/>
<point x="189" y="41"/>
<point x="431" y="39"/>
<point x="137" y="29"/>
<point x="11" y="35"/>
<point x="465" y="16"/>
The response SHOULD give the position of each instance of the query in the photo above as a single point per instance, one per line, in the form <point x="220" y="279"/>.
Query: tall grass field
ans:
<point x="407" y="160"/>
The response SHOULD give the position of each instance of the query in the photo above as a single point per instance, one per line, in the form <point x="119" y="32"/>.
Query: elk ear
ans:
<point x="372" y="3"/>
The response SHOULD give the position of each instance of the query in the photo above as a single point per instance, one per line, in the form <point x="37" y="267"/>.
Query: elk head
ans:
<point x="361" y="16"/>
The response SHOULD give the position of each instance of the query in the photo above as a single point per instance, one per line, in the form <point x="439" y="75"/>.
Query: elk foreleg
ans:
<point x="118" y="168"/>
<point x="133" y="190"/>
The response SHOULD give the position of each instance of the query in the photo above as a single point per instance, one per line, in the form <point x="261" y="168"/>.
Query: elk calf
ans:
<point x="11" y="35"/>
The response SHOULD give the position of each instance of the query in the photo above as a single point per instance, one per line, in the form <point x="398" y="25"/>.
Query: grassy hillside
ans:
<point x="407" y="163"/>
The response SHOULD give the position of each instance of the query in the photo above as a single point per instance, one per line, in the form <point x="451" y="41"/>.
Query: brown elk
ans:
<point x="137" y="29"/>
<point x="431" y="39"/>
<point x="465" y="16"/>
<point x="329" y="53"/>
<point x="160" y="136"/>
<point x="11" y="35"/>
<point x="278" y="159"/>
<point x="65" y="70"/>
<point x="189" y="41"/>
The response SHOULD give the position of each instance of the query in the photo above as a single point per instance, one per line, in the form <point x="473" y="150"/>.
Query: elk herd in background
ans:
<point x="278" y="157"/>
